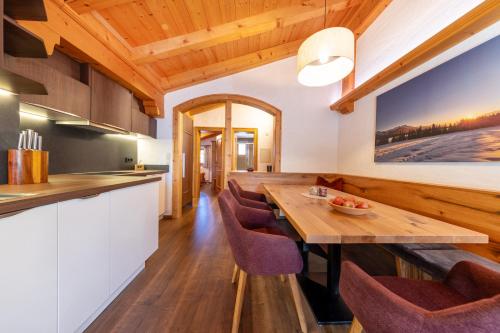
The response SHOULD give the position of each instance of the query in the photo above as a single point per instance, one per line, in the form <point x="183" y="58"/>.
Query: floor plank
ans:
<point x="186" y="286"/>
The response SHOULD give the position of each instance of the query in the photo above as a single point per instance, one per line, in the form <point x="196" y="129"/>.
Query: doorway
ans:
<point x="208" y="164"/>
<point x="245" y="149"/>
<point x="204" y="104"/>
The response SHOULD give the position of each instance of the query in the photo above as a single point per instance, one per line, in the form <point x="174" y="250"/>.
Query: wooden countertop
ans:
<point x="66" y="187"/>
<point x="123" y="172"/>
<point x="317" y="222"/>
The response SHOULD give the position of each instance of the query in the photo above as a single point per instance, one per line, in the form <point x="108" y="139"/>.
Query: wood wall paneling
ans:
<point x="469" y="208"/>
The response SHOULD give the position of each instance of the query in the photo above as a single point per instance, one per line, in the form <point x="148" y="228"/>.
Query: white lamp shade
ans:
<point x="326" y="57"/>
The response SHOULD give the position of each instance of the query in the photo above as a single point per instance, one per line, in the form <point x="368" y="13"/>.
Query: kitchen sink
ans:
<point x="7" y="196"/>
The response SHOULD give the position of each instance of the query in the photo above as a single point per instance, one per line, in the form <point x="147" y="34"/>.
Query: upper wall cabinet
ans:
<point x="140" y="121"/>
<point x="110" y="102"/>
<point x="65" y="92"/>
<point x="18" y="42"/>
<point x="153" y="128"/>
<point x="30" y="10"/>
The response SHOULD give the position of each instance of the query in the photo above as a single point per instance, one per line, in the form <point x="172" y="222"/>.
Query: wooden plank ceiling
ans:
<point x="185" y="42"/>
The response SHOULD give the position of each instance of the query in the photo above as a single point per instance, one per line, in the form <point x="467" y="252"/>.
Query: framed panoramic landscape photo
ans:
<point x="448" y="114"/>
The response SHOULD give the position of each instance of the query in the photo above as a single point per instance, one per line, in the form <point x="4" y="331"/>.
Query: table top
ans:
<point x="317" y="222"/>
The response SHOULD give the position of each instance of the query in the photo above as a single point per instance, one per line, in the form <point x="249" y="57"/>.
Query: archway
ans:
<point x="198" y="103"/>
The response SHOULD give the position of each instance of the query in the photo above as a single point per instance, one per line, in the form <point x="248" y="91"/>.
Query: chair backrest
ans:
<point x="234" y="230"/>
<point x="368" y="299"/>
<point x="281" y="253"/>
<point x="236" y="190"/>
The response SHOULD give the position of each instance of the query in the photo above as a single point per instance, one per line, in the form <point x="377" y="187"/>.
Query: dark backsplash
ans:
<point x="70" y="149"/>
<point x="9" y="130"/>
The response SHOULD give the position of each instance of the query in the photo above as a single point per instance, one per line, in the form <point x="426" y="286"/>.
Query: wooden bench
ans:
<point x="432" y="261"/>
<point x="474" y="209"/>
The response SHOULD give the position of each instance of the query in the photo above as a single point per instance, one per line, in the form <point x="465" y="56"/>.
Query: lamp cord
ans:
<point x="324" y="23"/>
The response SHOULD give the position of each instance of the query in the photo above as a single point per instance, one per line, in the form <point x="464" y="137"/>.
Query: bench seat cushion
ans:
<point x="439" y="262"/>
<point x="436" y="259"/>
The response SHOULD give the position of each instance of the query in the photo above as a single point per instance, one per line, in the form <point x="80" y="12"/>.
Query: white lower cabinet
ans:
<point x="28" y="271"/>
<point x="83" y="259"/>
<point x="151" y="221"/>
<point x="133" y="213"/>
<point x="61" y="264"/>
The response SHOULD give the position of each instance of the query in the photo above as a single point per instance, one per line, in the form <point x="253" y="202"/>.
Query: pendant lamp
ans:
<point x="326" y="56"/>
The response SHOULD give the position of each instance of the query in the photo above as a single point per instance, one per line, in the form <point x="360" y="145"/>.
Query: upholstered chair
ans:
<point x="247" y="198"/>
<point x="259" y="253"/>
<point x="467" y="301"/>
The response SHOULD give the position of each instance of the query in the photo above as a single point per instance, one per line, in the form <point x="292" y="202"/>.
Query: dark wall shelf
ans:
<point x="30" y="10"/>
<point x="19" y="42"/>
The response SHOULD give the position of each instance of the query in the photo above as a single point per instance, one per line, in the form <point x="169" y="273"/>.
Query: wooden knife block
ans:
<point x="28" y="167"/>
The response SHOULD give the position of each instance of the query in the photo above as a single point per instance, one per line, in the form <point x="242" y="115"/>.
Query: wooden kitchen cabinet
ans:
<point x="110" y="103"/>
<point x="28" y="274"/>
<point x="83" y="259"/>
<point x="140" y="121"/>
<point x="65" y="93"/>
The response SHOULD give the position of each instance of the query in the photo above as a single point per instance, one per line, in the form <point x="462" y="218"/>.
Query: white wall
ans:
<point x="402" y="26"/>
<point x="309" y="136"/>
<point x="243" y="116"/>
<point x="317" y="140"/>
<point x="357" y="130"/>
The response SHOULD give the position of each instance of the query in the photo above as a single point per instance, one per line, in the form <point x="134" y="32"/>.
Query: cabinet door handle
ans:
<point x="2" y="216"/>
<point x="90" y="196"/>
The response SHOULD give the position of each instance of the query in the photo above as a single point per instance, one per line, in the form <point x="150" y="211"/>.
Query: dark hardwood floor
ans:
<point x="186" y="286"/>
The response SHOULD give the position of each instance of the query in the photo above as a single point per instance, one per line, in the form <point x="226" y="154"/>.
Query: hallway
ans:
<point x="197" y="296"/>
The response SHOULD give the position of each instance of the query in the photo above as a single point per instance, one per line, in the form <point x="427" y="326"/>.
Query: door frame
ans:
<point x="228" y="100"/>
<point x="255" y="132"/>
<point x="196" y="158"/>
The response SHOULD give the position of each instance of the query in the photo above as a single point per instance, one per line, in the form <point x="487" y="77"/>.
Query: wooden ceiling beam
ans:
<point x="81" y="41"/>
<point x="85" y="6"/>
<point x="188" y="78"/>
<point x="230" y="66"/>
<point x="231" y="31"/>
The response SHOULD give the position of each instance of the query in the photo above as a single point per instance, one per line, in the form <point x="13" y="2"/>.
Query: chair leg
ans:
<point x="282" y="278"/>
<point x="356" y="326"/>
<point x="235" y="273"/>
<point x="298" y="304"/>
<point x="239" y="301"/>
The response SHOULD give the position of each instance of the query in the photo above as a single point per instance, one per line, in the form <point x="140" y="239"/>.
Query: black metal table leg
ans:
<point x="326" y="303"/>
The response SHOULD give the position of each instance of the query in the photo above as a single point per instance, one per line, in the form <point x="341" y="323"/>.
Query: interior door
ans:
<point x="213" y="166"/>
<point x="219" y="164"/>
<point x="187" y="161"/>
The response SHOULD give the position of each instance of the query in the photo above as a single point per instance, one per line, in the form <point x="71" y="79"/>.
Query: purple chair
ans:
<point x="247" y="198"/>
<point x="262" y="221"/>
<point x="468" y="300"/>
<point x="259" y="253"/>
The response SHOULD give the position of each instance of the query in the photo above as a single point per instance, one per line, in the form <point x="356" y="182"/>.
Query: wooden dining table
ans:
<point x="318" y="223"/>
